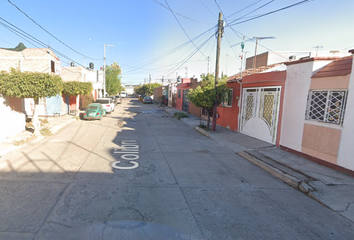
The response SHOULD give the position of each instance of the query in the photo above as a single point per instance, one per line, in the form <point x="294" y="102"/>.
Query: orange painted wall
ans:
<point x="228" y="116"/>
<point x="72" y="102"/>
<point x="15" y="104"/>
<point x="180" y="87"/>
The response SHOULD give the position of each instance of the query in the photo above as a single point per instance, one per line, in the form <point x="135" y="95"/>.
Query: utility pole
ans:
<point x="220" y="28"/>
<point x="104" y="66"/>
<point x="208" y="64"/>
<point x="149" y="83"/>
<point x="242" y="48"/>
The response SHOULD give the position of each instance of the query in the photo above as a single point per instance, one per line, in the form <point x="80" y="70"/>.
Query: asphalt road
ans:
<point x="141" y="174"/>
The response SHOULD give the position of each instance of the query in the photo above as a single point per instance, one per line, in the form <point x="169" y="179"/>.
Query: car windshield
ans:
<point x="102" y="101"/>
<point x="92" y="107"/>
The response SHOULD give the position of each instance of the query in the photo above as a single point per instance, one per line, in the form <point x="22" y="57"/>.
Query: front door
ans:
<point x="185" y="105"/>
<point x="260" y="112"/>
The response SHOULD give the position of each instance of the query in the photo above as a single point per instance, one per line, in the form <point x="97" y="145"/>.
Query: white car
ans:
<point x="107" y="103"/>
<point x="123" y="94"/>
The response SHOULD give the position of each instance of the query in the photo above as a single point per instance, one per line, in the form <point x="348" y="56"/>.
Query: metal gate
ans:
<point x="185" y="105"/>
<point x="260" y="111"/>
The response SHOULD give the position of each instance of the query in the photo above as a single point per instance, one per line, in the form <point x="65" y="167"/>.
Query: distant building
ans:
<point x="129" y="88"/>
<point x="270" y="58"/>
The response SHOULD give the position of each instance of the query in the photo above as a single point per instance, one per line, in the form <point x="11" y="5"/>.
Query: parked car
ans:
<point x="123" y="94"/>
<point x="118" y="100"/>
<point x="107" y="104"/>
<point x="147" y="99"/>
<point x="115" y="99"/>
<point x="94" y="111"/>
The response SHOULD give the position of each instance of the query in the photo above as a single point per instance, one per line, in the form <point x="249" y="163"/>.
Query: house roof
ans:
<point x="340" y="67"/>
<point x="251" y="71"/>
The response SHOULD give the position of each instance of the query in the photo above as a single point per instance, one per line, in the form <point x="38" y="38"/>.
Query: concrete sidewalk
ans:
<point x="327" y="186"/>
<point x="19" y="141"/>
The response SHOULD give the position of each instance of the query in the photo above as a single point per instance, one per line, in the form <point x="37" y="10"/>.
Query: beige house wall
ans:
<point x="330" y="83"/>
<point x="321" y="142"/>
<point x="30" y="59"/>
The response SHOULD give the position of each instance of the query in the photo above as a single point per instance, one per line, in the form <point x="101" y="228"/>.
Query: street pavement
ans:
<point x="327" y="186"/>
<point x="78" y="184"/>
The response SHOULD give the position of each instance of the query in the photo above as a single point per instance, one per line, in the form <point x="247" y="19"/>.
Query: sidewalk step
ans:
<point x="280" y="166"/>
<point x="290" y="176"/>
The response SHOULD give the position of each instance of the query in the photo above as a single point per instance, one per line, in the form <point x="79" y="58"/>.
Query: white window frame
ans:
<point x="314" y="111"/>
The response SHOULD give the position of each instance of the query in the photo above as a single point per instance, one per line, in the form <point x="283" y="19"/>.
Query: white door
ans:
<point x="260" y="111"/>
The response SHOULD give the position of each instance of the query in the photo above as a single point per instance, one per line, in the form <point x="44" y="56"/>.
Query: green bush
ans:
<point x="180" y="115"/>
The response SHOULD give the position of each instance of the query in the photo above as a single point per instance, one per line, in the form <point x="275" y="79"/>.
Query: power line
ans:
<point x="179" y="13"/>
<point x="183" y="28"/>
<point x="168" y="53"/>
<point x="27" y="36"/>
<point x="245" y="8"/>
<point x="207" y="8"/>
<point x="252" y="11"/>
<point x="278" y="10"/>
<point x="49" y="32"/>
<point x="188" y="57"/>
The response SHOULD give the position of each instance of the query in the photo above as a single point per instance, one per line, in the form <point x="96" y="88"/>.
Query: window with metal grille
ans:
<point x="228" y="98"/>
<point x="326" y="106"/>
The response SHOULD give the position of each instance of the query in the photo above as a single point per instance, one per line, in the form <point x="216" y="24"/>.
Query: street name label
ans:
<point x="129" y="153"/>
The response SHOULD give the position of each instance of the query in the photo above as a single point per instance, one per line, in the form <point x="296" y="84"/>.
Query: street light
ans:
<point x="104" y="66"/>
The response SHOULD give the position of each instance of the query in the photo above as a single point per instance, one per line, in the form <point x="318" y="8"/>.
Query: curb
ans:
<point x="283" y="176"/>
<point x="202" y="131"/>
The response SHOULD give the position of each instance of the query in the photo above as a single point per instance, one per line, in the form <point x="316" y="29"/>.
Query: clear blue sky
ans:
<point x="149" y="40"/>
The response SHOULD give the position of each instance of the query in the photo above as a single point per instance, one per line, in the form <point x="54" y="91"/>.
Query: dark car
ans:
<point x="94" y="111"/>
<point x="147" y="99"/>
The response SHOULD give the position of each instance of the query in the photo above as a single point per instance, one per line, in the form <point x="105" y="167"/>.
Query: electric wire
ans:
<point x="271" y="12"/>
<point x="169" y="52"/>
<point x="26" y="35"/>
<point x="252" y="4"/>
<point x="49" y="32"/>
<point x="183" y="28"/>
<point x="179" y="13"/>
<point x="188" y="57"/>
<point x="252" y="11"/>
<point x="207" y="8"/>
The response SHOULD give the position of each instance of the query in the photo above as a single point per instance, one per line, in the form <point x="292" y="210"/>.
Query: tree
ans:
<point x="74" y="88"/>
<point x="84" y="89"/>
<point x="204" y="95"/>
<point x="146" y="89"/>
<point x="113" y="79"/>
<point x="30" y="85"/>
